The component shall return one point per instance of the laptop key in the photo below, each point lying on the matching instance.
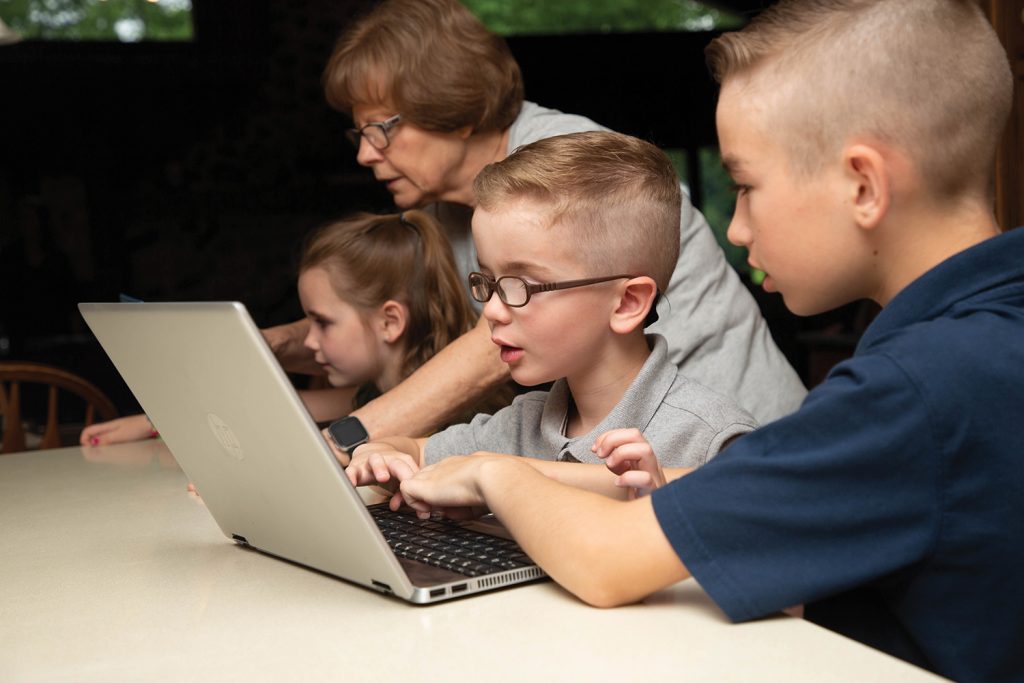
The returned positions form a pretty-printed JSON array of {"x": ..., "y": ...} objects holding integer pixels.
[{"x": 444, "y": 543}]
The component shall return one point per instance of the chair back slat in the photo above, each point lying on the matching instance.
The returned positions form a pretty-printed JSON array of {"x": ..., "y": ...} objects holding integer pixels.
[
  {"x": 51, "y": 437},
  {"x": 14, "y": 432},
  {"x": 13, "y": 374}
]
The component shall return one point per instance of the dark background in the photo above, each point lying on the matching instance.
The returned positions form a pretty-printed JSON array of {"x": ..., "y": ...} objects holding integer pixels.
[{"x": 192, "y": 171}]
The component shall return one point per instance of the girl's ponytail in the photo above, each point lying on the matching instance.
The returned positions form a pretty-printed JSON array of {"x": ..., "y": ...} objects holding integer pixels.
[{"x": 437, "y": 296}]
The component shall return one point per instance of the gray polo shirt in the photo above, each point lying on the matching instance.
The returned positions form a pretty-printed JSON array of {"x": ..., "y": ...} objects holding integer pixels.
[{"x": 685, "y": 422}]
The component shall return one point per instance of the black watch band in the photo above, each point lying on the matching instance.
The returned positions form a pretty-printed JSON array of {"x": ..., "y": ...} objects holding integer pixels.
[{"x": 348, "y": 433}]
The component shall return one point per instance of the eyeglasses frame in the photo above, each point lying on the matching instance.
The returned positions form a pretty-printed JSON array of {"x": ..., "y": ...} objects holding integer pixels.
[
  {"x": 531, "y": 288},
  {"x": 354, "y": 135}
]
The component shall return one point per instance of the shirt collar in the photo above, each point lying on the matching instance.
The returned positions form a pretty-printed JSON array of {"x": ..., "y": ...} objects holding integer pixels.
[
  {"x": 636, "y": 408},
  {"x": 969, "y": 276}
]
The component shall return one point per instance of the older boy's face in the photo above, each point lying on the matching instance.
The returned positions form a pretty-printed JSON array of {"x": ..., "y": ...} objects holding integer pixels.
[
  {"x": 794, "y": 228},
  {"x": 557, "y": 334}
]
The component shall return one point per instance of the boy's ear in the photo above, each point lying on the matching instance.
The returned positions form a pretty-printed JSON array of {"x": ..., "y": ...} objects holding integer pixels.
[
  {"x": 392, "y": 319},
  {"x": 636, "y": 300},
  {"x": 869, "y": 171}
]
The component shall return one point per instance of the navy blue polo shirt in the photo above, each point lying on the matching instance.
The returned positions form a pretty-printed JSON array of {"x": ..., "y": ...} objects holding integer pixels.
[{"x": 892, "y": 502}]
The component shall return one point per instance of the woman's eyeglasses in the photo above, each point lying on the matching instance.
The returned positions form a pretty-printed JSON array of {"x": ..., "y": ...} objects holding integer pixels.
[
  {"x": 376, "y": 132},
  {"x": 516, "y": 292}
]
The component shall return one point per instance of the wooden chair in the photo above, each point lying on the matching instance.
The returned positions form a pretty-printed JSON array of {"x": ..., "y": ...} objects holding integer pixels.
[{"x": 13, "y": 374}]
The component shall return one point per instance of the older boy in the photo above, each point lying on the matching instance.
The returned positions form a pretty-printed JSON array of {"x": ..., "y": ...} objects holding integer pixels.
[
  {"x": 575, "y": 235},
  {"x": 861, "y": 135}
]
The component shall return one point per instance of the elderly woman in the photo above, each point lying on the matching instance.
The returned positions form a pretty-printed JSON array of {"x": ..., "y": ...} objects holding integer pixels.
[{"x": 435, "y": 97}]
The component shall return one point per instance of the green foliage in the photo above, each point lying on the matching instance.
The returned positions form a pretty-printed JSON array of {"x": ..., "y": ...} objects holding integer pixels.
[
  {"x": 510, "y": 17},
  {"x": 719, "y": 204},
  {"x": 125, "y": 20},
  {"x": 719, "y": 200}
]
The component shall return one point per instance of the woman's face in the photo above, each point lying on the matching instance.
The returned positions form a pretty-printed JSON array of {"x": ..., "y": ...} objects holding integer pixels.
[{"x": 418, "y": 167}]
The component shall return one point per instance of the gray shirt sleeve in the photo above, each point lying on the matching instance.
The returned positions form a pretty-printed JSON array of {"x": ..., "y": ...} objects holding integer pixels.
[{"x": 499, "y": 433}]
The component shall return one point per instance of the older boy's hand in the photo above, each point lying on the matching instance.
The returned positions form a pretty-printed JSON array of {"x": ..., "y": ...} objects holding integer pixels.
[
  {"x": 374, "y": 464},
  {"x": 628, "y": 454},
  {"x": 451, "y": 487}
]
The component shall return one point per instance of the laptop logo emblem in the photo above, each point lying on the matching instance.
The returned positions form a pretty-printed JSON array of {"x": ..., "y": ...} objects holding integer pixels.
[{"x": 224, "y": 435}]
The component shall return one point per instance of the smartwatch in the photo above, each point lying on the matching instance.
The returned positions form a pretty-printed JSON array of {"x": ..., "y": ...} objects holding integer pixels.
[{"x": 347, "y": 433}]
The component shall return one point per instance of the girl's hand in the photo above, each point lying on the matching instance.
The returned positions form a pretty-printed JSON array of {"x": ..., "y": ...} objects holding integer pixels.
[{"x": 121, "y": 430}]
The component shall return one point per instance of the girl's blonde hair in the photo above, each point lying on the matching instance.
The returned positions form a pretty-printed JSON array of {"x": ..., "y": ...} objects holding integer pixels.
[{"x": 405, "y": 257}]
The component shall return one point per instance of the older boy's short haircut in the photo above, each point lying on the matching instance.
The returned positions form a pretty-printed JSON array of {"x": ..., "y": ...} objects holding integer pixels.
[
  {"x": 926, "y": 76},
  {"x": 618, "y": 198},
  {"x": 431, "y": 60}
]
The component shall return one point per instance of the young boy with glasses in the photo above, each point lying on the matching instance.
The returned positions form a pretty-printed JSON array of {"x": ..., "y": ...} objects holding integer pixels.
[{"x": 576, "y": 235}]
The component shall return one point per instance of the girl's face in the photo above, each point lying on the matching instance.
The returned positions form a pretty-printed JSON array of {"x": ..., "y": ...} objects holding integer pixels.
[{"x": 343, "y": 342}]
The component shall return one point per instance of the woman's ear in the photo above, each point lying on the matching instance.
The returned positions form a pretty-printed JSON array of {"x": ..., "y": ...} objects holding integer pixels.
[
  {"x": 869, "y": 171},
  {"x": 634, "y": 303},
  {"x": 392, "y": 319}
]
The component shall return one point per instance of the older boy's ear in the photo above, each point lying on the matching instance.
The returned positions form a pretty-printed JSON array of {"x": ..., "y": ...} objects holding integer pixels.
[
  {"x": 636, "y": 300},
  {"x": 869, "y": 171},
  {"x": 392, "y": 319}
]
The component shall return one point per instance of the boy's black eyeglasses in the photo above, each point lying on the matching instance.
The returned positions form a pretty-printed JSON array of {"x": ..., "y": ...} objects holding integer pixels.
[
  {"x": 376, "y": 132},
  {"x": 516, "y": 292}
]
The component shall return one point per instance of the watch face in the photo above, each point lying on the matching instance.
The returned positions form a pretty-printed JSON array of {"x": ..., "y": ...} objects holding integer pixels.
[{"x": 348, "y": 432}]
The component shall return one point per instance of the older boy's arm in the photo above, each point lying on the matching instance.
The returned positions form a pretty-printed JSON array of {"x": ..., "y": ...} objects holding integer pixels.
[
  {"x": 594, "y": 478},
  {"x": 606, "y": 552},
  {"x": 454, "y": 379},
  {"x": 287, "y": 343}
]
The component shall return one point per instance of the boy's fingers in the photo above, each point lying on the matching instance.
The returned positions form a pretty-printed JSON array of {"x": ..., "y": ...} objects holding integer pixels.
[
  {"x": 615, "y": 438},
  {"x": 625, "y": 456},
  {"x": 637, "y": 479},
  {"x": 379, "y": 467},
  {"x": 401, "y": 469}
]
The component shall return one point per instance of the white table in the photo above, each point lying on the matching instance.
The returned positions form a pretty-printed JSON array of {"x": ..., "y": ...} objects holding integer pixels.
[{"x": 111, "y": 570}]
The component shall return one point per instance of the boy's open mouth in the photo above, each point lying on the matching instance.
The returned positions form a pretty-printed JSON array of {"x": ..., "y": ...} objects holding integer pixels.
[{"x": 510, "y": 354}]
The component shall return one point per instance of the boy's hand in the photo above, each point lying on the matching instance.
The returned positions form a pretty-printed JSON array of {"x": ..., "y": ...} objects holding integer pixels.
[
  {"x": 377, "y": 464},
  {"x": 451, "y": 487},
  {"x": 628, "y": 454}
]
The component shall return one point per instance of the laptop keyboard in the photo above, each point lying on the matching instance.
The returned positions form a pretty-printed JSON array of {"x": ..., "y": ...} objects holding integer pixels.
[{"x": 446, "y": 544}]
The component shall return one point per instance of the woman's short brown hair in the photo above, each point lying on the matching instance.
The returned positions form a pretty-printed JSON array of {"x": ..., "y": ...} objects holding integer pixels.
[{"x": 431, "y": 60}]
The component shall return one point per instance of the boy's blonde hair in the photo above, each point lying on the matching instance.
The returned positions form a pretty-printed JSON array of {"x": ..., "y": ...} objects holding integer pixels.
[
  {"x": 430, "y": 59},
  {"x": 617, "y": 197},
  {"x": 928, "y": 77}
]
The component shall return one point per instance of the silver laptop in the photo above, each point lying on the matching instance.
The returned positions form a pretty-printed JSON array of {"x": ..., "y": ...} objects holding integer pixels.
[{"x": 229, "y": 414}]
